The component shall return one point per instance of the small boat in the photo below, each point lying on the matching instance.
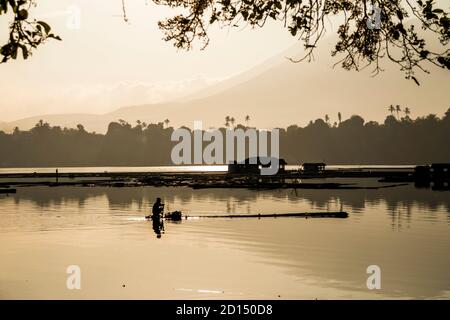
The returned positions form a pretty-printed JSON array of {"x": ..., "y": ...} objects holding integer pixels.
[{"x": 172, "y": 216}]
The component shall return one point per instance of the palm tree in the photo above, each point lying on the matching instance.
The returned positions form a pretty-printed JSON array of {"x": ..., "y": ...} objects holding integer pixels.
[
  {"x": 232, "y": 120},
  {"x": 227, "y": 121},
  {"x": 398, "y": 109},
  {"x": 339, "y": 117},
  {"x": 407, "y": 112},
  {"x": 247, "y": 119},
  {"x": 167, "y": 121},
  {"x": 80, "y": 127},
  {"x": 391, "y": 109}
]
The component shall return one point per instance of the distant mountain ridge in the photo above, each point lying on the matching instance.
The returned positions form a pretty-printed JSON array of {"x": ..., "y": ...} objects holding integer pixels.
[{"x": 278, "y": 93}]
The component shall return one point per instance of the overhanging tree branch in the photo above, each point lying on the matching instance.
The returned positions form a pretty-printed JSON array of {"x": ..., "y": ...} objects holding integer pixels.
[{"x": 360, "y": 44}]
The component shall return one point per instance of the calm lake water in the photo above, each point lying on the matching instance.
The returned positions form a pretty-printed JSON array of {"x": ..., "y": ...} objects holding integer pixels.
[{"x": 403, "y": 230}]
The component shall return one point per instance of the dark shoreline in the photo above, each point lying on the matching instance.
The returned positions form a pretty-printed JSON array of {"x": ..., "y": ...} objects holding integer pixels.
[{"x": 201, "y": 180}]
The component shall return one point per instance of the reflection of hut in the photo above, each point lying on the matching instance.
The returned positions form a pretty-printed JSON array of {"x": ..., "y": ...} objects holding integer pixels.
[
  {"x": 314, "y": 167},
  {"x": 254, "y": 165},
  {"x": 440, "y": 185}
]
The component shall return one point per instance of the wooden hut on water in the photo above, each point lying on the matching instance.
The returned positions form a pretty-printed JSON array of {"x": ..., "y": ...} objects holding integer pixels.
[
  {"x": 440, "y": 171},
  {"x": 313, "y": 167},
  {"x": 254, "y": 165},
  {"x": 436, "y": 176}
]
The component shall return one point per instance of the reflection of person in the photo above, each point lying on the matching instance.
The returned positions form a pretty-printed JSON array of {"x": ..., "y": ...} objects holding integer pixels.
[
  {"x": 157, "y": 217},
  {"x": 158, "y": 226},
  {"x": 158, "y": 208}
]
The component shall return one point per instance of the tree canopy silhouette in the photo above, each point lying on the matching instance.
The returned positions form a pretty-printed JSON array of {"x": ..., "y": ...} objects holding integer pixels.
[
  {"x": 369, "y": 30},
  {"x": 352, "y": 141},
  {"x": 24, "y": 34}
]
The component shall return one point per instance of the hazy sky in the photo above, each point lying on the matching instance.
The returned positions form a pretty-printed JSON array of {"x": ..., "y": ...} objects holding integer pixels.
[
  {"x": 104, "y": 64},
  {"x": 108, "y": 63}
]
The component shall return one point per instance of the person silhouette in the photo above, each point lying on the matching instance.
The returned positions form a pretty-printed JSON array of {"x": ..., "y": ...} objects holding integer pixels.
[
  {"x": 158, "y": 208},
  {"x": 157, "y": 217}
]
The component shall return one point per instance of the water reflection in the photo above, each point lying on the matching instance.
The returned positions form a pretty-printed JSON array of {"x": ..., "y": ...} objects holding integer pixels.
[
  {"x": 158, "y": 226},
  {"x": 399, "y": 201},
  {"x": 398, "y": 204},
  {"x": 404, "y": 230}
]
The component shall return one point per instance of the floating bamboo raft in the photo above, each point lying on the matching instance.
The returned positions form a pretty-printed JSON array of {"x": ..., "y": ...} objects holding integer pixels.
[
  {"x": 335, "y": 214},
  {"x": 328, "y": 214}
]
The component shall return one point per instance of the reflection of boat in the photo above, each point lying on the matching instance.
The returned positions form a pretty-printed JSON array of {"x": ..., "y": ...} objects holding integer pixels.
[{"x": 7, "y": 190}]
